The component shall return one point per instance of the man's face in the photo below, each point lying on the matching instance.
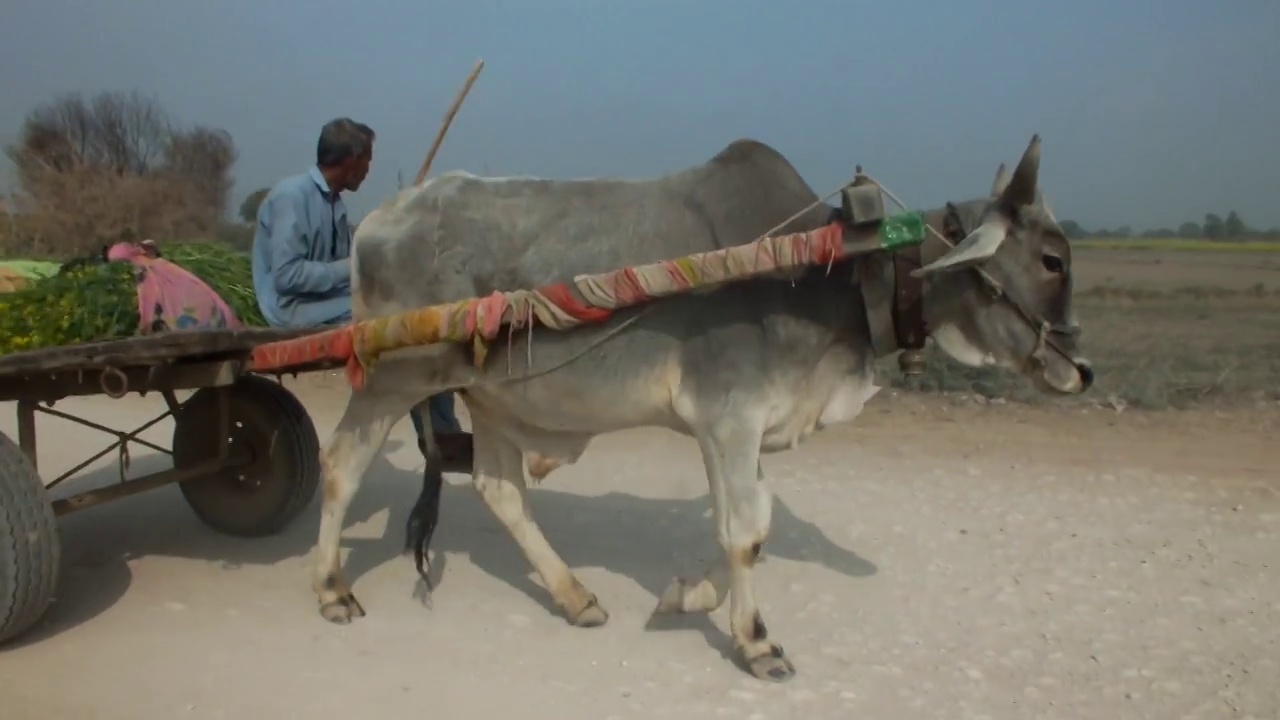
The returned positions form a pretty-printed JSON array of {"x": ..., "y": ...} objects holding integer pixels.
[{"x": 356, "y": 171}]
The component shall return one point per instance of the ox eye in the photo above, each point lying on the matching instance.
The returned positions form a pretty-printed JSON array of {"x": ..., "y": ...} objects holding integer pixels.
[{"x": 1053, "y": 264}]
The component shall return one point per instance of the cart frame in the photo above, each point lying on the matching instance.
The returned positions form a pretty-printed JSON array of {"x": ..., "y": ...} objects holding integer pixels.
[{"x": 245, "y": 452}]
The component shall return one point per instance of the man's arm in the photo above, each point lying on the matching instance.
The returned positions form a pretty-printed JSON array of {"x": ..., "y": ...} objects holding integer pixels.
[{"x": 292, "y": 273}]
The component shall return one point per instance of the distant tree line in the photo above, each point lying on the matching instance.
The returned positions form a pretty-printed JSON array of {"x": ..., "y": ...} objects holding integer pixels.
[
  {"x": 1214, "y": 227},
  {"x": 95, "y": 170},
  {"x": 115, "y": 166}
]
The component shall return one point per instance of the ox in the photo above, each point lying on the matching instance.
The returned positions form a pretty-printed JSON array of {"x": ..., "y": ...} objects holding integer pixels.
[{"x": 746, "y": 368}]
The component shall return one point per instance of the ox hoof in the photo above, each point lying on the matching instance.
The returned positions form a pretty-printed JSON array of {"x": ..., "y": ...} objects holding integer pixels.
[
  {"x": 342, "y": 610},
  {"x": 686, "y": 595},
  {"x": 773, "y": 667},
  {"x": 673, "y": 598},
  {"x": 591, "y": 615}
]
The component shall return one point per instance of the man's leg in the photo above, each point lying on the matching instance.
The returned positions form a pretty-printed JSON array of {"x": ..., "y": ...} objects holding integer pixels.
[
  {"x": 443, "y": 420},
  {"x": 454, "y": 444},
  {"x": 419, "y": 427}
]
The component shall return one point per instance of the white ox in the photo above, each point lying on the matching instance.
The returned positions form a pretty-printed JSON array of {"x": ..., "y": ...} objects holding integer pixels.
[{"x": 750, "y": 367}]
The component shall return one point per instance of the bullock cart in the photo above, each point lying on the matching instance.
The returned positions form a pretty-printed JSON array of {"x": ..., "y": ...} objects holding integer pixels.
[{"x": 245, "y": 452}]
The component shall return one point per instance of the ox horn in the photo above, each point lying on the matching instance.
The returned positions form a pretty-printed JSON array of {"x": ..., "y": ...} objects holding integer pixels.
[
  {"x": 1001, "y": 181},
  {"x": 980, "y": 245},
  {"x": 1021, "y": 188}
]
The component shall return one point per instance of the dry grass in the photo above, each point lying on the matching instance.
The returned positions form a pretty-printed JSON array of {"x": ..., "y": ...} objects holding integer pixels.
[
  {"x": 1209, "y": 333},
  {"x": 77, "y": 212},
  {"x": 1181, "y": 245}
]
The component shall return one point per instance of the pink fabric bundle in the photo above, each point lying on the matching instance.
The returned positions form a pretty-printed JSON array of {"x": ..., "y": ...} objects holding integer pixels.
[{"x": 170, "y": 297}]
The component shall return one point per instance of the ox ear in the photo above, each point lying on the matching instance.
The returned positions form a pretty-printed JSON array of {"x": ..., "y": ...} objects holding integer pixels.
[
  {"x": 1001, "y": 182},
  {"x": 980, "y": 245},
  {"x": 1021, "y": 188}
]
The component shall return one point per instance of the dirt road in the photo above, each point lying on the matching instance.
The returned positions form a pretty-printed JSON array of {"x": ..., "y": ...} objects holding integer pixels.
[{"x": 928, "y": 561}]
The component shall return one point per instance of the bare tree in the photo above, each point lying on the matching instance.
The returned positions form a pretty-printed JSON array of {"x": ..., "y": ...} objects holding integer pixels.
[
  {"x": 115, "y": 167},
  {"x": 123, "y": 132},
  {"x": 253, "y": 201}
]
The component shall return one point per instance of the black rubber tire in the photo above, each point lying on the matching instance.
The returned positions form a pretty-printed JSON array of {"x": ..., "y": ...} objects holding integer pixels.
[
  {"x": 263, "y": 498},
  {"x": 30, "y": 549}
]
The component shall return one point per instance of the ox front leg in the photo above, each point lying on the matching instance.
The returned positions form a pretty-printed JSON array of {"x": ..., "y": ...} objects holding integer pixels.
[
  {"x": 744, "y": 508},
  {"x": 499, "y": 478},
  {"x": 701, "y": 594},
  {"x": 358, "y": 438}
]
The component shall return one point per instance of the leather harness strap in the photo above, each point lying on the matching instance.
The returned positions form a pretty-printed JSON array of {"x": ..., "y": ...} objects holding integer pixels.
[
  {"x": 886, "y": 281},
  {"x": 909, "y": 326}
]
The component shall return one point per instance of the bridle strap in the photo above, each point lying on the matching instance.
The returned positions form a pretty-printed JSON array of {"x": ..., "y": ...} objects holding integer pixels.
[{"x": 954, "y": 231}]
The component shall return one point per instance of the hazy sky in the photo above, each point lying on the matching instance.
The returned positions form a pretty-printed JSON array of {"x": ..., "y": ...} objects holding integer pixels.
[{"x": 1152, "y": 111}]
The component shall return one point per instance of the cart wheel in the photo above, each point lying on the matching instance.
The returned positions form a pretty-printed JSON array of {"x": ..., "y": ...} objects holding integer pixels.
[
  {"x": 274, "y": 431},
  {"x": 30, "y": 551}
]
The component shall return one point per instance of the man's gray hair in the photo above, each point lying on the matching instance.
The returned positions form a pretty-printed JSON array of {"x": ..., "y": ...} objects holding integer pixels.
[{"x": 342, "y": 138}]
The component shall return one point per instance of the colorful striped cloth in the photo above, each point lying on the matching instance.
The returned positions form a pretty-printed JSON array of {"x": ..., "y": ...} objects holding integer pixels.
[{"x": 588, "y": 299}]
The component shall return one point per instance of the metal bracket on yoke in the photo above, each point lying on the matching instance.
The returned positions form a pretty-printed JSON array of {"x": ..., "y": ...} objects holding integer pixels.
[{"x": 861, "y": 201}]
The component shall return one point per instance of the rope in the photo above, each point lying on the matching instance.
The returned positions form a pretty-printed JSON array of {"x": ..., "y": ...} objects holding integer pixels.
[
  {"x": 558, "y": 306},
  {"x": 587, "y": 299},
  {"x": 997, "y": 290},
  {"x": 798, "y": 213},
  {"x": 903, "y": 206}
]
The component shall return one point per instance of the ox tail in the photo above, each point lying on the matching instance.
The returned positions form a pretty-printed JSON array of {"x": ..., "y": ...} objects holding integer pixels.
[{"x": 423, "y": 519}]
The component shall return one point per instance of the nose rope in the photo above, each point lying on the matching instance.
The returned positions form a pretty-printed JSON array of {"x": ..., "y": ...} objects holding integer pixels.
[
  {"x": 1042, "y": 338},
  {"x": 1045, "y": 330}
]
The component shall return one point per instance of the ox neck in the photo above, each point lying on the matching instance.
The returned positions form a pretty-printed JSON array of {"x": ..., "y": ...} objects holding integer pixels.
[{"x": 895, "y": 301}]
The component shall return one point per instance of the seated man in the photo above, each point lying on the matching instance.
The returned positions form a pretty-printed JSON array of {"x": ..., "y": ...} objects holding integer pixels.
[{"x": 302, "y": 258}]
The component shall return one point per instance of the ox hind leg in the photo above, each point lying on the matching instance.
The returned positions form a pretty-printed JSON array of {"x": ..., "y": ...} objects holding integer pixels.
[
  {"x": 743, "y": 512},
  {"x": 359, "y": 436},
  {"x": 499, "y": 477}
]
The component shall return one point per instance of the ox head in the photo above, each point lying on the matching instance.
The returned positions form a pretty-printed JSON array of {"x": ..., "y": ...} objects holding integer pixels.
[{"x": 1002, "y": 296}]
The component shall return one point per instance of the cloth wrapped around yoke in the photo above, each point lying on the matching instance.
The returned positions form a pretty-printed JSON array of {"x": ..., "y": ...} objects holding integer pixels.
[{"x": 588, "y": 299}]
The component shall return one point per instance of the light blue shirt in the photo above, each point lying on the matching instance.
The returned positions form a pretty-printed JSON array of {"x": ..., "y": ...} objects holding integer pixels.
[{"x": 302, "y": 254}]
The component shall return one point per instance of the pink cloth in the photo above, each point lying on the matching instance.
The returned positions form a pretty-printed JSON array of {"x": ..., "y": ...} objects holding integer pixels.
[{"x": 170, "y": 297}]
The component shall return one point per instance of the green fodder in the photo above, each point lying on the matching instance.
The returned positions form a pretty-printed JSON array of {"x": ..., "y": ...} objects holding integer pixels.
[
  {"x": 90, "y": 302},
  {"x": 98, "y": 301},
  {"x": 229, "y": 272}
]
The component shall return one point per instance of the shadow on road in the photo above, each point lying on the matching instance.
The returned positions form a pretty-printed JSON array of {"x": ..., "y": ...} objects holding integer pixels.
[{"x": 646, "y": 539}]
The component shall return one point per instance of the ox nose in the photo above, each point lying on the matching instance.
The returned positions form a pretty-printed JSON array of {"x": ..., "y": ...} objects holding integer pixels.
[{"x": 1086, "y": 373}]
